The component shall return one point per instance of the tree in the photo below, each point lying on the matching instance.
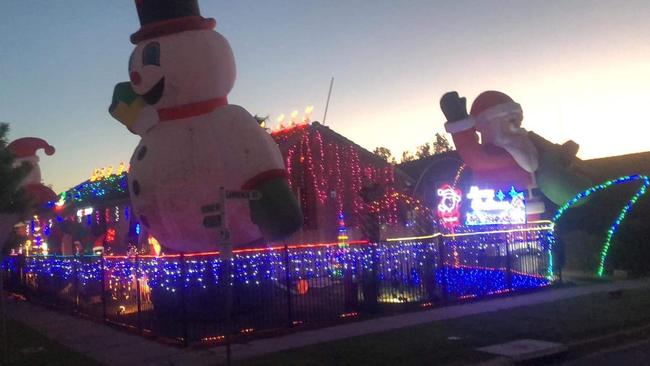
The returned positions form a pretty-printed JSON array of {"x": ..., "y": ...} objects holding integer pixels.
[
  {"x": 407, "y": 156},
  {"x": 13, "y": 200},
  {"x": 423, "y": 151},
  {"x": 385, "y": 154},
  {"x": 13, "y": 205},
  {"x": 441, "y": 144}
]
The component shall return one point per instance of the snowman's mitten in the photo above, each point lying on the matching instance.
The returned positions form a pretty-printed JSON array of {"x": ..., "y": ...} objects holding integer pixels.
[{"x": 277, "y": 213}]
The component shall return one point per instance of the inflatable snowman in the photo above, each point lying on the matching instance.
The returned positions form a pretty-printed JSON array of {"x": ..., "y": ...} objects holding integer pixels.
[{"x": 193, "y": 141}]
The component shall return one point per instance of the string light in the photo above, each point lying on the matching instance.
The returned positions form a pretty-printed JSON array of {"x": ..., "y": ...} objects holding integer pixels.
[
  {"x": 112, "y": 187},
  {"x": 459, "y": 174},
  {"x": 401, "y": 267},
  {"x": 343, "y": 232},
  {"x": 313, "y": 161},
  {"x": 645, "y": 182}
]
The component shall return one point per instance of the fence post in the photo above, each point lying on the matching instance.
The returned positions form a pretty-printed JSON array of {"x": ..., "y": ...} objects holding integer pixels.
[
  {"x": 102, "y": 270},
  {"x": 3, "y": 321},
  {"x": 287, "y": 279},
  {"x": 429, "y": 271},
  {"x": 137, "y": 291},
  {"x": 508, "y": 263},
  {"x": 441, "y": 264},
  {"x": 75, "y": 267},
  {"x": 23, "y": 284},
  {"x": 183, "y": 305}
]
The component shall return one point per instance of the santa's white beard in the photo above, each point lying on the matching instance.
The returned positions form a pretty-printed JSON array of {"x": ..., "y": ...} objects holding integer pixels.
[{"x": 515, "y": 141}]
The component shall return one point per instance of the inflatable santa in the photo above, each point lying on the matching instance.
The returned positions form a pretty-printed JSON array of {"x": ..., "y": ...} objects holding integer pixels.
[
  {"x": 193, "y": 141},
  {"x": 24, "y": 151},
  {"x": 508, "y": 155}
]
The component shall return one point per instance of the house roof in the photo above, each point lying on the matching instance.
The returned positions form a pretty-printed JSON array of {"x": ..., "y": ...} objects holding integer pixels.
[
  {"x": 287, "y": 138},
  {"x": 615, "y": 166}
]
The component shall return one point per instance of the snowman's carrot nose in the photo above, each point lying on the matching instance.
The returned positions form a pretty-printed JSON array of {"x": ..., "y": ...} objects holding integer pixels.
[{"x": 135, "y": 78}]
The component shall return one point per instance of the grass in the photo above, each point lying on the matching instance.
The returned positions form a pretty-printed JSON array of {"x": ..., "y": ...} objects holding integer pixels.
[
  {"x": 27, "y": 347},
  {"x": 563, "y": 321}
]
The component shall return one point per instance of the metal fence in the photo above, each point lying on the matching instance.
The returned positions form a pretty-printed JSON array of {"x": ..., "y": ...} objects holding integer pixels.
[{"x": 203, "y": 297}]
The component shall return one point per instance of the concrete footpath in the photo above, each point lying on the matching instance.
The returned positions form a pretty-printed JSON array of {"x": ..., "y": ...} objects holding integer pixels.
[{"x": 113, "y": 347}]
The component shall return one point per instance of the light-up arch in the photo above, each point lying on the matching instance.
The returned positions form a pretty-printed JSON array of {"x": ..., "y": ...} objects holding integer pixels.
[{"x": 612, "y": 230}]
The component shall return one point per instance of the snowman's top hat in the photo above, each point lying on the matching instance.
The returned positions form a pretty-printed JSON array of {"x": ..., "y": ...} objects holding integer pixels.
[{"x": 163, "y": 17}]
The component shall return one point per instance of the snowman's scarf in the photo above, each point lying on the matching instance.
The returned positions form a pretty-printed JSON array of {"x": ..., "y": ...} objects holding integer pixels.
[{"x": 191, "y": 110}]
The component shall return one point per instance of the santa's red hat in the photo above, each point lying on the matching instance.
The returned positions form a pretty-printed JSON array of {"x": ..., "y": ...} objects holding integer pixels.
[
  {"x": 28, "y": 146},
  {"x": 493, "y": 105},
  {"x": 490, "y": 106},
  {"x": 163, "y": 17},
  {"x": 488, "y": 99}
]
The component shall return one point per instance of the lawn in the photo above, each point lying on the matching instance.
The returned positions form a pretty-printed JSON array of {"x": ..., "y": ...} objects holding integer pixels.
[
  {"x": 452, "y": 342},
  {"x": 27, "y": 347}
]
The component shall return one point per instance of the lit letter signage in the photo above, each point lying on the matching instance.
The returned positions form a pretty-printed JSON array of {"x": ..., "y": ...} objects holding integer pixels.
[{"x": 490, "y": 208}]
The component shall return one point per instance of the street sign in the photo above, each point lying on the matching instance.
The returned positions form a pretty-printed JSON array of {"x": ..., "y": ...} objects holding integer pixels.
[
  {"x": 210, "y": 208},
  {"x": 243, "y": 195},
  {"x": 212, "y": 221}
]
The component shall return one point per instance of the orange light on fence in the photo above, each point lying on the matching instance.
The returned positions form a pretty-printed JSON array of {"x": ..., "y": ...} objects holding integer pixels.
[{"x": 302, "y": 286}]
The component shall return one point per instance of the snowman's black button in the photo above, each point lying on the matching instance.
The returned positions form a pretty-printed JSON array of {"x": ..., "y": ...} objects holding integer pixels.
[
  {"x": 136, "y": 187},
  {"x": 142, "y": 152}
]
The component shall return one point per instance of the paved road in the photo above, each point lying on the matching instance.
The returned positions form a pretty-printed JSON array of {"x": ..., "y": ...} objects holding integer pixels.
[
  {"x": 113, "y": 347},
  {"x": 632, "y": 354}
]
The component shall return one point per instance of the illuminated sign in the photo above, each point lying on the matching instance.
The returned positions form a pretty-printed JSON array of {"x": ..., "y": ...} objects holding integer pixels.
[
  {"x": 449, "y": 206},
  {"x": 490, "y": 208}
]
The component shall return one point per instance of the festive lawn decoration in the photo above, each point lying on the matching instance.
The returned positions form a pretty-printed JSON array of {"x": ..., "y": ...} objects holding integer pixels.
[
  {"x": 507, "y": 153},
  {"x": 449, "y": 206},
  {"x": 490, "y": 208},
  {"x": 24, "y": 151},
  {"x": 645, "y": 182},
  {"x": 343, "y": 231},
  {"x": 193, "y": 141}
]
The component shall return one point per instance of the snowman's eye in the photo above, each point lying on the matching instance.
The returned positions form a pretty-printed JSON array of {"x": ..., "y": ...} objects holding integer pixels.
[{"x": 151, "y": 54}]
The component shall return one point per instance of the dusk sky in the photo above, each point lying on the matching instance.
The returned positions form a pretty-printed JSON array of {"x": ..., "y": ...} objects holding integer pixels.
[{"x": 580, "y": 69}]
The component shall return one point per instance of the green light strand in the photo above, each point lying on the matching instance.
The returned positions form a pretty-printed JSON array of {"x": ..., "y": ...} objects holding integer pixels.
[{"x": 612, "y": 230}]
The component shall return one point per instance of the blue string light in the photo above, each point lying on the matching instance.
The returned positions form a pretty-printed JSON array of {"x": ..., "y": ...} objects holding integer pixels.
[{"x": 470, "y": 266}]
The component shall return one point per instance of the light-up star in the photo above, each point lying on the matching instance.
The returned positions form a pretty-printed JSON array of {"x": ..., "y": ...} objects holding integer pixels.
[
  {"x": 514, "y": 194},
  {"x": 501, "y": 195}
]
